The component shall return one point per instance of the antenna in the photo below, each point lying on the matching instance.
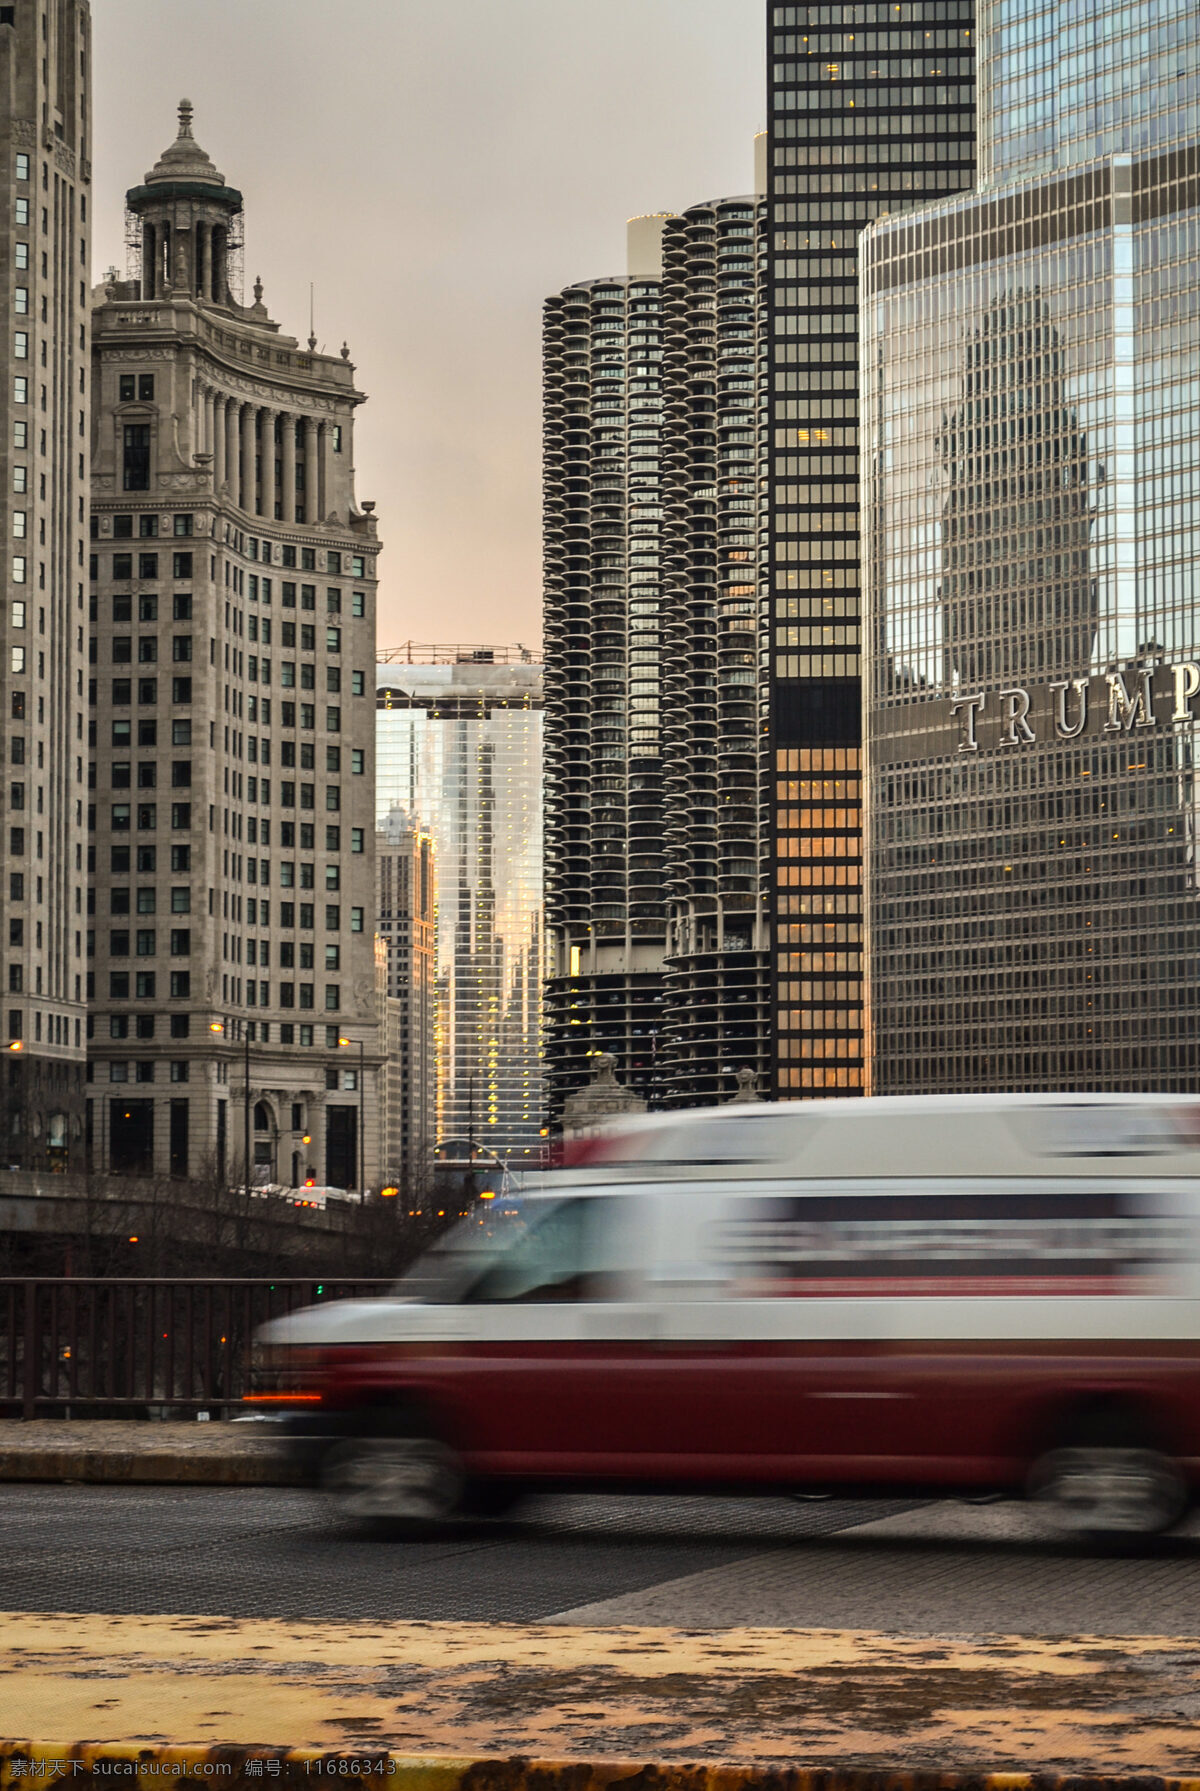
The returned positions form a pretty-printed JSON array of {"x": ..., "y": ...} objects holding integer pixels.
[{"x": 312, "y": 328}]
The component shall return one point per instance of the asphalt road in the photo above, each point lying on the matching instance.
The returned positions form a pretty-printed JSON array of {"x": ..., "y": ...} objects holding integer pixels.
[{"x": 689, "y": 1563}]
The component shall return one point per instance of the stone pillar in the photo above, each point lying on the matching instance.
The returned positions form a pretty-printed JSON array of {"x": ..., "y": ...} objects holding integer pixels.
[
  {"x": 218, "y": 440},
  {"x": 289, "y": 467},
  {"x": 328, "y": 471},
  {"x": 249, "y": 494},
  {"x": 312, "y": 473},
  {"x": 201, "y": 273},
  {"x": 208, "y": 426},
  {"x": 268, "y": 464},
  {"x": 232, "y": 476}
]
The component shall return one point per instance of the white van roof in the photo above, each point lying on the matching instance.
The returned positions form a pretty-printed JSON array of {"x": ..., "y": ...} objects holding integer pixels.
[{"x": 970, "y": 1134}]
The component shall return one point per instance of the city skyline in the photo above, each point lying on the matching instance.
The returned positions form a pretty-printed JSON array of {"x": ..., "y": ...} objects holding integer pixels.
[{"x": 444, "y": 237}]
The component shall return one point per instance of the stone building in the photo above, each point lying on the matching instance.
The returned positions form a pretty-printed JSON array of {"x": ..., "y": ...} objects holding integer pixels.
[
  {"x": 45, "y": 249},
  {"x": 232, "y": 889},
  {"x": 406, "y": 915}
]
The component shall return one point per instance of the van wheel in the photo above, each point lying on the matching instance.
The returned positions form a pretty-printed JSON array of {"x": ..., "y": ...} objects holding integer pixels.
[
  {"x": 411, "y": 1482},
  {"x": 1101, "y": 1492}
]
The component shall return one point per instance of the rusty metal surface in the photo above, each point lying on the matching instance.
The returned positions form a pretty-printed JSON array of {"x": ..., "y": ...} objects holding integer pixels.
[{"x": 854, "y": 1703}]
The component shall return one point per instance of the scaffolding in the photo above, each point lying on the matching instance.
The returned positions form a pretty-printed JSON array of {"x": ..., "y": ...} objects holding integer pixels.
[{"x": 421, "y": 653}]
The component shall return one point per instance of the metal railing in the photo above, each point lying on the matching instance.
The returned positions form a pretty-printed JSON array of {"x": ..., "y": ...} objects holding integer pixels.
[{"x": 135, "y": 1347}]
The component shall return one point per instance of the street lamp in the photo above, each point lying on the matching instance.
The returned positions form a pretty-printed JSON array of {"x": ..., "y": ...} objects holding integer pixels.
[{"x": 362, "y": 1123}]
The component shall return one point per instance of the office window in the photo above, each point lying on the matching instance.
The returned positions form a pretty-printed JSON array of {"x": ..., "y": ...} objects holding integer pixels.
[
  {"x": 126, "y": 388},
  {"x": 181, "y": 985},
  {"x": 181, "y": 942},
  {"x": 356, "y": 839},
  {"x": 181, "y": 816},
  {"x": 146, "y": 387},
  {"x": 146, "y": 900},
  {"x": 145, "y": 983},
  {"x": 182, "y": 606},
  {"x": 181, "y": 565},
  {"x": 181, "y": 690},
  {"x": 136, "y": 468},
  {"x": 148, "y": 526},
  {"x": 179, "y": 1067},
  {"x": 179, "y": 1026},
  {"x": 146, "y": 942},
  {"x": 183, "y": 525}
]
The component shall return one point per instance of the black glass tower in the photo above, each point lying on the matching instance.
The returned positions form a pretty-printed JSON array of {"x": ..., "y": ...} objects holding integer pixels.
[{"x": 871, "y": 110}]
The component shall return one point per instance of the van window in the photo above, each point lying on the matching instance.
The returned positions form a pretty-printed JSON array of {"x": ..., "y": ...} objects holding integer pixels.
[{"x": 570, "y": 1254}]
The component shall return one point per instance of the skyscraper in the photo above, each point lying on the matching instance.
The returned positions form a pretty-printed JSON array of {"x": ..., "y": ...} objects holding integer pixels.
[
  {"x": 653, "y": 530},
  {"x": 45, "y": 249},
  {"x": 871, "y": 111},
  {"x": 460, "y": 752},
  {"x": 232, "y": 640},
  {"x": 606, "y": 905},
  {"x": 406, "y": 916},
  {"x": 1032, "y": 452}
]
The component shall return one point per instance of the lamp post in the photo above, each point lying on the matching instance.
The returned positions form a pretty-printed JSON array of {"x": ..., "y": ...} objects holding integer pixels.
[{"x": 362, "y": 1123}]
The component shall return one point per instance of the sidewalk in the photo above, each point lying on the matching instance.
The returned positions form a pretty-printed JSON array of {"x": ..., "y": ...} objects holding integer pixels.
[{"x": 112, "y": 1451}]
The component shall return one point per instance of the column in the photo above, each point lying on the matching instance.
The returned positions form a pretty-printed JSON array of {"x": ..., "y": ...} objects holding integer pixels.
[
  {"x": 268, "y": 464},
  {"x": 328, "y": 470},
  {"x": 208, "y": 425},
  {"x": 200, "y": 237},
  {"x": 289, "y": 467},
  {"x": 231, "y": 449},
  {"x": 312, "y": 476},
  {"x": 217, "y": 442},
  {"x": 249, "y": 495}
]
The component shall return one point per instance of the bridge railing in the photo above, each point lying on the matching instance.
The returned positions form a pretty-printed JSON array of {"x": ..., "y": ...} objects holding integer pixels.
[{"x": 84, "y": 1347}]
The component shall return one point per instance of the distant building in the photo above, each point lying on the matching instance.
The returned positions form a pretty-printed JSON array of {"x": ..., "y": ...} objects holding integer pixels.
[
  {"x": 406, "y": 920},
  {"x": 232, "y": 861},
  {"x": 46, "y": 213},
  {"x": 459, "y": 741}
]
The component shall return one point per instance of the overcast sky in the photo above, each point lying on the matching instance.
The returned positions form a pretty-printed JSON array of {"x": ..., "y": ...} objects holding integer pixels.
[{"x": 436, "y": 168}]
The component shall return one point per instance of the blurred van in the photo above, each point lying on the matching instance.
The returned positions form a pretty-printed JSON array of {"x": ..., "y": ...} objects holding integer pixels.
[{"x": 948, "y": 1295}]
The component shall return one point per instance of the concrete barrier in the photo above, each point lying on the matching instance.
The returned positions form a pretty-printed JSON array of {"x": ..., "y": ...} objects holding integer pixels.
[
  {"x": 29, "y": 1764},
  {"x": 122, "y": 1452}
]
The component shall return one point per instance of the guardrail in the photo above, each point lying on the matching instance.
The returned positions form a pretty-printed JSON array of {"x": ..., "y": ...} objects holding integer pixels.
[{"x": 84, "y": 1347}]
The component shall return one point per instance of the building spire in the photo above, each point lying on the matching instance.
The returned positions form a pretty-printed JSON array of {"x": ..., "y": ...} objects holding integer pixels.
[{"x": 185, "y": 118}]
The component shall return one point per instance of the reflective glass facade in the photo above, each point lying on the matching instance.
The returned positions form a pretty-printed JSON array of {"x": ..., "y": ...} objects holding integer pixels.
[
  {"x": 1031, "y": 395},
  {"x": 871, "y": 111},
  {"x": 1067, "y": 81},
  {"x": 459, "y": 749}
]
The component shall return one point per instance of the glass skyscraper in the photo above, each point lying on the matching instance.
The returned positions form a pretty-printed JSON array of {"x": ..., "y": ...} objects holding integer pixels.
[
  {"x": 871, "y": 111},
  {"x": 1031, "y": 459},
  {"x": 459, "y": 749}
]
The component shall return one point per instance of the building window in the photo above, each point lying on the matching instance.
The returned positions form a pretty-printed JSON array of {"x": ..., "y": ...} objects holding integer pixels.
[
  {"x": 181, "y": 942},
  {"x": 148, "y": 526},
  {"x": 147, "y": 945},
  {"x": 147, "y": 565},
  {"x": 136, "y": 472},
  {"x": 182, "y": 606},
  {"x": 356, "y": 839},
  {"x": 21, "y": 345},
  {"x": 126, "y": 388},
  {"x": 356, "y": 920},
  {"x": 146, "y": 387},
  {"x": 333, "y": 996},
  {"x": 179, "y": 1026},
  {"x": 122, "y": 566},
  {"x": 358, "y": 683},
  {"x": 145, "y": 984},
  {"x": 18, "y": 571},
  {"x": 181, "y": 985},
  {"x": 179, "y": 1070},
  {"x": 181, "y": 648},
  {"x": 181, "y": 816}
]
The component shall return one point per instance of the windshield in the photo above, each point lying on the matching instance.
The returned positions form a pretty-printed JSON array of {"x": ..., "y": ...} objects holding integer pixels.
[
  {"x": 535, "y": 1251},
  {"x": 468, "y": 1250}
]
